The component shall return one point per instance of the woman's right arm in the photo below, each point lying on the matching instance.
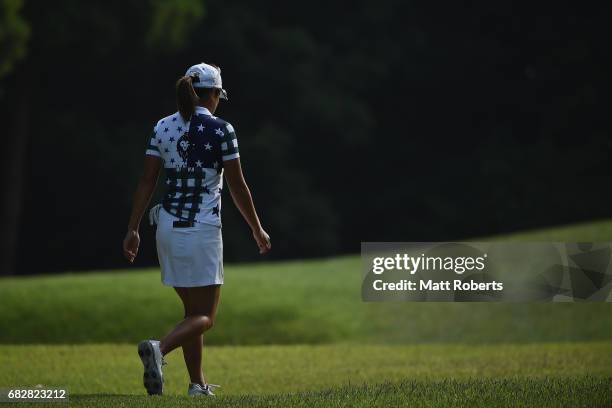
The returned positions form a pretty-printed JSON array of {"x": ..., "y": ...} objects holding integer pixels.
[
  {"x": 141, "y": 198},
  {"x": 242, "y": 198}
]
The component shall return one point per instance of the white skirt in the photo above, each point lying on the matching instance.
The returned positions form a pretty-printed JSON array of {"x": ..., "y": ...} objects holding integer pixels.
[{"x": 191, "y": 256}]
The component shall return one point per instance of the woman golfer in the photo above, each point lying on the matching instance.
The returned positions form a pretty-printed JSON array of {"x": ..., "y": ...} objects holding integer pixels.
[{"x": 196, "y": 150}]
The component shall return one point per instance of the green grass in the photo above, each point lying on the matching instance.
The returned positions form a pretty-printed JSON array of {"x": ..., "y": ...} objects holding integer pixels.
[
  {"x": 314, "y": 302},
  {"x": 297, "y": 334},
  {"x": 264, "y": 373},
  {"x": 275, "y": 303},
  {"x": 594, "y": 231},
  {"x": 572, "y": 392}
]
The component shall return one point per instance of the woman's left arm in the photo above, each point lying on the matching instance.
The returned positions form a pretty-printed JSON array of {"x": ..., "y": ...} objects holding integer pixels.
[{"x": 141, "y": 198}]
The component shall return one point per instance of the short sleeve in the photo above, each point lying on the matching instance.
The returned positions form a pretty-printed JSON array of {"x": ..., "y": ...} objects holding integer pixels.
[
  {"x": 153, "y": 147},
  {"x": 229, "y": 144}
]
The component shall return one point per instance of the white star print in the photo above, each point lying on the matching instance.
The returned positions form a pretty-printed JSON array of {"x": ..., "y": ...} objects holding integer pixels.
[
  {"x": 208, "y": 146},
  {"x": 219, "y": 132},
  {"x": 200, "y": 128},
  {"x": 199, "y": 163}
]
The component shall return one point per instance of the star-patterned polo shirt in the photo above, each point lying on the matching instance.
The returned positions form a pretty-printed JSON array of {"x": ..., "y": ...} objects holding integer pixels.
[{"x": 193, "y": 153}]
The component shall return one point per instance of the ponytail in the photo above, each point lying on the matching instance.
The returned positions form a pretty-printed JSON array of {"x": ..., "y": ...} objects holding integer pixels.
[{"x": 186, "y": 97}]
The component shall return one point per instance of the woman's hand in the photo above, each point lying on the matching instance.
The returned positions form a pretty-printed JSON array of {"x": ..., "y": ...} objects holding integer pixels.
[
  {"x": 142, "y": 196},
  {"x": 131, "y": 242},
  {"x": 242, "y": 198},
  {"x": 263, "y": 240}
]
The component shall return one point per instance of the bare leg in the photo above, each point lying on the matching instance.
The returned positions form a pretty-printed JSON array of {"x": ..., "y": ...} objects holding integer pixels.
[
  {"x": 192, "y": 353},
  {"x": 190, "y": 327},
  {"x": 200, "y": 304},
  {"x": 192, "y": 347}
]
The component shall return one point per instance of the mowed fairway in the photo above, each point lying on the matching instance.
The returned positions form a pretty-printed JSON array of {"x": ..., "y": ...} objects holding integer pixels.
[
  {"x": 266, "y": 374},
  {"x": 297, "y": 334}
]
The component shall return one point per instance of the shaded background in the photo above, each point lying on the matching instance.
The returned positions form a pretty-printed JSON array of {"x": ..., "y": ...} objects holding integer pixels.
[{"x": 360, "y": 121}]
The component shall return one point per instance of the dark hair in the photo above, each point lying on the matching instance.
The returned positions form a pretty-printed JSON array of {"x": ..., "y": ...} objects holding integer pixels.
[{"x": 187, "y": 97}]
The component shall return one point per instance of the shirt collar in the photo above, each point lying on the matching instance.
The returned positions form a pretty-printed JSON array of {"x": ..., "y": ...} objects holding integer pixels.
[{"x": 201, "y": 109}]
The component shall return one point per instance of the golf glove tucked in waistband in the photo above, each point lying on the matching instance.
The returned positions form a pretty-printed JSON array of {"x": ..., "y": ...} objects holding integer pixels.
[{"x": 154, "y": 214}]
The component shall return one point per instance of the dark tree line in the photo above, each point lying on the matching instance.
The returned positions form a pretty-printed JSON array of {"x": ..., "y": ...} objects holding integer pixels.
[{"x": 362, "y": 121}]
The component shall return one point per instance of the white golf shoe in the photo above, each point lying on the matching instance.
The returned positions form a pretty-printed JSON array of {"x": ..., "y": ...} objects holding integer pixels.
[
  {"x": 197, "y": 389},
  {"x": 152, "y": 360}
]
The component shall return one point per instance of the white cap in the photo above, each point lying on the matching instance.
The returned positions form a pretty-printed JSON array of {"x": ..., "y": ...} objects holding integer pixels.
[{"x": 206, "y": 76}]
